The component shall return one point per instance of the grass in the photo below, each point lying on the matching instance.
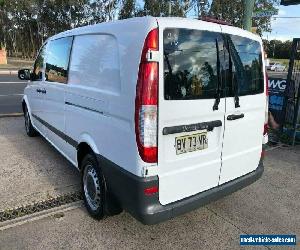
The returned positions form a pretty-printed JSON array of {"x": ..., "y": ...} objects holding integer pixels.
[{"x": 16, "y": 63}]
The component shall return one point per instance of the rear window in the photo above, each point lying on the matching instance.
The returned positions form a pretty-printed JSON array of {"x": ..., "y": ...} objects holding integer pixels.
[
  {"x": 190, "y": 64},
  {"x": 195, "y": 61},
  {"x": 247, "y": 71}
]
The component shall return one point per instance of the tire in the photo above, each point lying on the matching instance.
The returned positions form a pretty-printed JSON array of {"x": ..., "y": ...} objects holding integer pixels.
[
  {"x": 93, "y": 186},
  {"x": 30, "y": 131}
]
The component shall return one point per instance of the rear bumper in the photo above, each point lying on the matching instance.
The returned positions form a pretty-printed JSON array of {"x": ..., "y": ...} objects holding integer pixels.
[{"x": 128, "y": 189}]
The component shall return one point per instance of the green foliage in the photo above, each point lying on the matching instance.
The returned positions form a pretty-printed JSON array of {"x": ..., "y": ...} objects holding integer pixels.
[
  {"x": 232, "y": 12},
  {"x": 26, "y": 24},
  {"x": 160, "y": 8},
  {"x": 128, "y": 9},
  {"x": 278, "y": 49}
]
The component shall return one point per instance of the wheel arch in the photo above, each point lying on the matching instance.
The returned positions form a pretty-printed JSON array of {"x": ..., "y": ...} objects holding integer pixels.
[
  {"x": 85, "y": 145},
  {"x": 25, "y": 103}
]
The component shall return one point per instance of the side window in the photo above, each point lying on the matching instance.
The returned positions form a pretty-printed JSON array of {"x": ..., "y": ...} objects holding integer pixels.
[
  {"x": 191, "y": 63},
  {"x": 95, "y": 62},
  {"x": 245, "y": 65},
  {"x": 57, "y": 60},
  {"x": 39, "y": 65}
]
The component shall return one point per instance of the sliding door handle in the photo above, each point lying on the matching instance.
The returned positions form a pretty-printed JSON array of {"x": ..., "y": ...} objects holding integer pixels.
[{"x": 235, "y": 117}]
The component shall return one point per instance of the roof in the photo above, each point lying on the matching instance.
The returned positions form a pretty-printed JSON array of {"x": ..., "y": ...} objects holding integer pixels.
[{"x": 148, "y": 21}]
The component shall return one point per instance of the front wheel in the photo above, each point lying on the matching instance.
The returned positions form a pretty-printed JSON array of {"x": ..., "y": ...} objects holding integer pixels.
[
  {"x": 30, "y": 131},
  {"x": 93, "y": 187}
]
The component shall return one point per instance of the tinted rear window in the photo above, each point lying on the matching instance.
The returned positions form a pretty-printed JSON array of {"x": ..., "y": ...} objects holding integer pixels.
[
  {"x": 247, "y": 70},
  {"x": 190, "y": 64},
  {"x": 195, "y": 61}
]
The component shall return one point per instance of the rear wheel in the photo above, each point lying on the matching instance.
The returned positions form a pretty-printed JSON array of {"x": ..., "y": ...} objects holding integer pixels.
[
  {"x": 30, "y": 131},
  {"x": 93, "y": 186}
]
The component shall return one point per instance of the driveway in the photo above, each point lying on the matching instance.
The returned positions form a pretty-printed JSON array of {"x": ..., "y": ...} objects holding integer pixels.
[{"x": 30, "y": 168}]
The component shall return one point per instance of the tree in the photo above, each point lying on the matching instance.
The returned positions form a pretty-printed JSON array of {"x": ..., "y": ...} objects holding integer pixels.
[
  {"x": 201, "y": 7},
  {"x": 26, "y": 24},
  {"x": 128, "y": 9},
  {"x": 278, "y": 49},
  {"x": 232, "y": 12},
  {"x": 161, "y": 8}
]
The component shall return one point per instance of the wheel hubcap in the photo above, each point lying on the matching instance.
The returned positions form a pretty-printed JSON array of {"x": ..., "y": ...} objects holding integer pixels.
[{"x": 92, "y": 188}]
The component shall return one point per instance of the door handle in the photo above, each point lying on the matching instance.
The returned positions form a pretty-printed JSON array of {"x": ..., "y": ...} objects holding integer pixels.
[
  {"x": 235, "y": 117},
  {"x": 192, "y": 127}
]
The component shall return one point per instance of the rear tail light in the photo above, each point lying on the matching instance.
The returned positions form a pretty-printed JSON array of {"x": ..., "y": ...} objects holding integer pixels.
[
  {"x": 146, "y": 102},
  {"x": 151, "y": 190}
]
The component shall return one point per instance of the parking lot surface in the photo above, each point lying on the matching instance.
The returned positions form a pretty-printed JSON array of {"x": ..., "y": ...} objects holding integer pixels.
[{"x": 30, "y": 169}]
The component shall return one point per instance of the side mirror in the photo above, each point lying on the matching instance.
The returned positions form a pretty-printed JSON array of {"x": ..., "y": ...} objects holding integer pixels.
[{"x": 24, "y": 74}]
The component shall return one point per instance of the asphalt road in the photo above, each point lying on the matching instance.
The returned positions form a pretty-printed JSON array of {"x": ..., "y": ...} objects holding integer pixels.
[{"x": 11, "y": 93}]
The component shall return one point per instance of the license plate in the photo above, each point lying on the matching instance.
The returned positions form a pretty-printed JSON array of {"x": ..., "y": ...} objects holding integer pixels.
[{"x": 190, "y": 143}]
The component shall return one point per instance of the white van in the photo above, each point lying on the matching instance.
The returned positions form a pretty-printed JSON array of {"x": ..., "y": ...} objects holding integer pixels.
[{"x": 160, "y": 115}]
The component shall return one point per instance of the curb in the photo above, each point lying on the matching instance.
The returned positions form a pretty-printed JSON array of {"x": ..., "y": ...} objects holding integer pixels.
[
  {"x": 8, "y": 72},
  {"x": 11, "y": 115},
  {"x": 39, "y": 215}
]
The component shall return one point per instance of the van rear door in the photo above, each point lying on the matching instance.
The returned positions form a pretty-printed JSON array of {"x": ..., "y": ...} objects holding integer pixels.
[
  {"x": 245, "y": 105},
  {"x": 191, "y": 119}
]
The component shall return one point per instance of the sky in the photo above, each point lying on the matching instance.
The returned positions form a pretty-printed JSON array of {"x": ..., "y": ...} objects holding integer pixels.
[
  {"x": 285, "y": 28},
  {"x": 282, "y": 28}
]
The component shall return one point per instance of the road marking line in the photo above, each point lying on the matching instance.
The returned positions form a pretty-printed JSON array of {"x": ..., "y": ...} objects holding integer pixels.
[
  {"x": 11, "y": 115},
  {"x": 11, "y": 95},
  {"x": 12, "y": 82}
]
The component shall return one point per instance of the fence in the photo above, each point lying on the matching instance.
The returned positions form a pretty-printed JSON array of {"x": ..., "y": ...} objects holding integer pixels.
[{"x": 292, "y": 96}]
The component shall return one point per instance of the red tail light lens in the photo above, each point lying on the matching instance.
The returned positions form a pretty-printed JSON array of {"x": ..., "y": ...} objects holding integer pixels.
[
  {"x": 151, "y": 190},
  {"x": 151, "y": 43},
  {"x": 146, "y": 102}
]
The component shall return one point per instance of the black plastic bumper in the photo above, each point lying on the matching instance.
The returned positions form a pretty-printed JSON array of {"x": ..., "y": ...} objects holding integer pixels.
[{"x": 128, "y": 189}]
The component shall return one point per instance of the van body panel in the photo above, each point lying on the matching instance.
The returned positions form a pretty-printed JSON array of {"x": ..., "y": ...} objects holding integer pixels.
[{"x": 107, "y": 112}]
